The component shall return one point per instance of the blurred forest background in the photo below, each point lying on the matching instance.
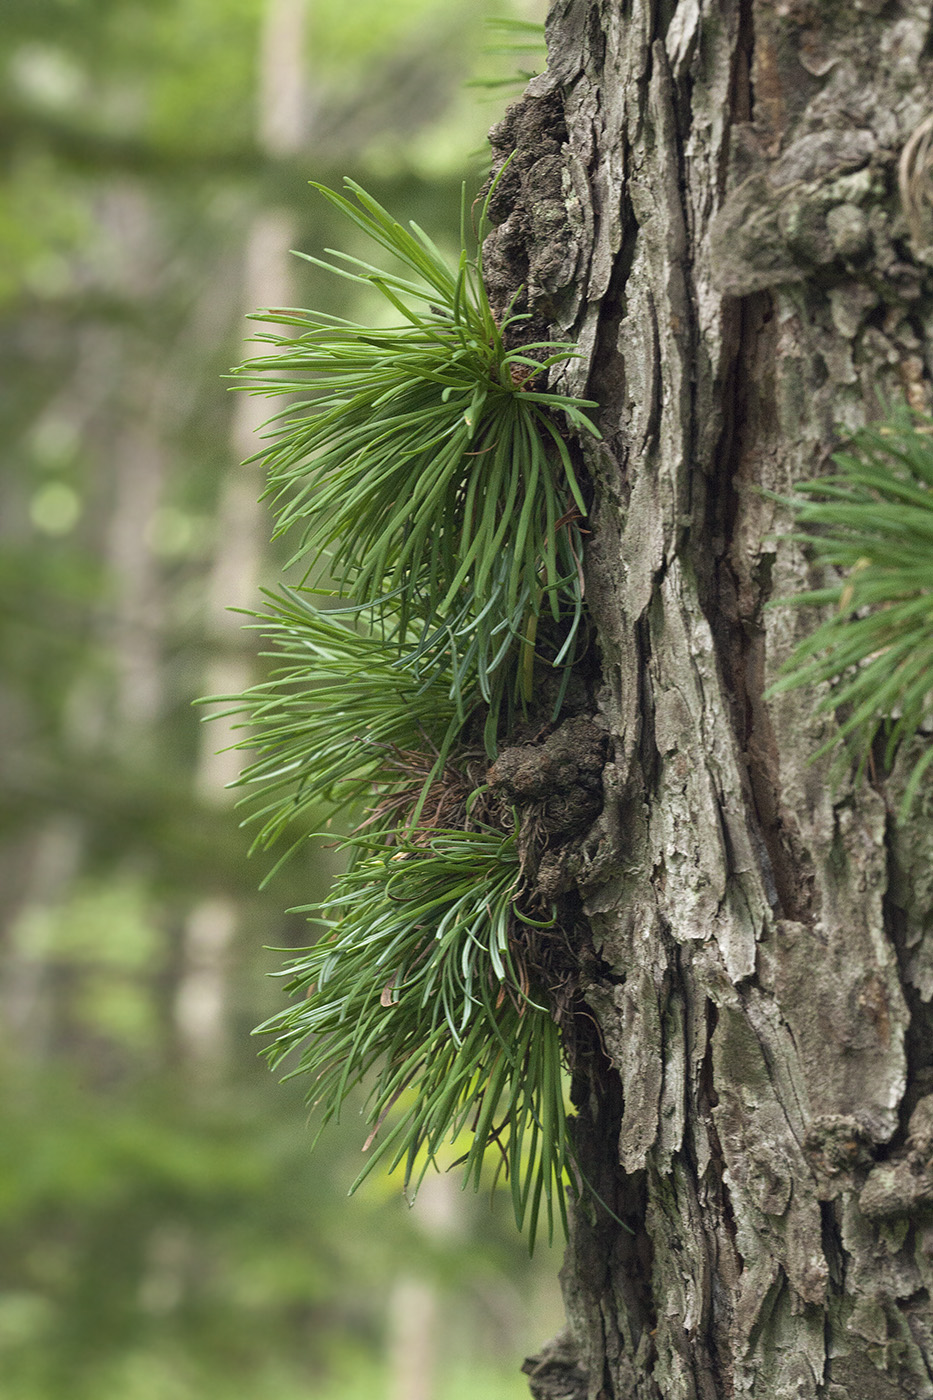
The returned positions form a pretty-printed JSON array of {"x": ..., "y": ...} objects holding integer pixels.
[{"x": 165, "y": 1231}]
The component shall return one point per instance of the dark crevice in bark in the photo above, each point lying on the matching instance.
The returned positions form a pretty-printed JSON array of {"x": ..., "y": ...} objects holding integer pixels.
[
  {"x": 706, "y": 1100},
  {"x": 918, "y": 1041},
  {"x": 609, "y": 1246},
  {"x": 832, "y": 1246},
  {"x": 649, "y": 757},
  {"x": 733, "y": 607},
  {"x": 666, "y": 10},
  {"x": 676, "y": 98},
  {"x": 732, "y": 604}
]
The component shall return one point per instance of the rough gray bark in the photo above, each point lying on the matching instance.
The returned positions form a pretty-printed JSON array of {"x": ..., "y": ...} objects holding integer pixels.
[{"x": 705, "y": 196}]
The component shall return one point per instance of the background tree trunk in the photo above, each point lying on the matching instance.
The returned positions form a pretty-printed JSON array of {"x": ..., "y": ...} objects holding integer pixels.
[
  {"x": 233, "y": 586},
  {"x": 705, "y": 197}
]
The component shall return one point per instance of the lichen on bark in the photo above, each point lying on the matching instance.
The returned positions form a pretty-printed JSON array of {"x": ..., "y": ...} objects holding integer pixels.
[{"x": 705, "y": 196}]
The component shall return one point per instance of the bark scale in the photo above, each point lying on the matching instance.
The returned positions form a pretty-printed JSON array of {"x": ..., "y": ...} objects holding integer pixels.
[{"x": 705, "y": 197}]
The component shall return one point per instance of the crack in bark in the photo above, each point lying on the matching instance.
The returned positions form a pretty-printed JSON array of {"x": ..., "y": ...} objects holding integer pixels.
[{"x": 919, "y": 1035}]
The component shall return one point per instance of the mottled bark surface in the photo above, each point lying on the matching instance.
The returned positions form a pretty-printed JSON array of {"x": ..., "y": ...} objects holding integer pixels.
[{"x": 705, "y": 197}]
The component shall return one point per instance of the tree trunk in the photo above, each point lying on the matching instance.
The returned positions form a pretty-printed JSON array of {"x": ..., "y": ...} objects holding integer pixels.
[
  {"x": 234, "y": 578},
  {"x": 705, "y": 197}
]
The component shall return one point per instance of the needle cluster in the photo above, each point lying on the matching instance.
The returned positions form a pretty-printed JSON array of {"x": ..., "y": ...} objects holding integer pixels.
[
  {"x": 421, "y": 467},
  {"x": 416, "y": 982},
  {"x": 871, "y": 523},
  {"x": 425, "y": 474}
]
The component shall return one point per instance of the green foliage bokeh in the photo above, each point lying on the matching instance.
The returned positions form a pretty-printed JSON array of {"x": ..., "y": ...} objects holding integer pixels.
[{"x": 162, "y": 1238}]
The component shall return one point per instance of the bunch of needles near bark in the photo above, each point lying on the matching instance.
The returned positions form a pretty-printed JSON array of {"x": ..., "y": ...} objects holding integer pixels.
[{"x": 872, "y": 520}]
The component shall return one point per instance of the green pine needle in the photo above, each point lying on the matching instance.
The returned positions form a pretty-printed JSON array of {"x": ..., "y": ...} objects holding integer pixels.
[
  {"x": 522, "y": 39},
  {"x": 333, "y": 723},
  {"x": 416, "y": 987},
  {"x": 873, "y": 520},
  {"x": 423, "y": 463}
]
